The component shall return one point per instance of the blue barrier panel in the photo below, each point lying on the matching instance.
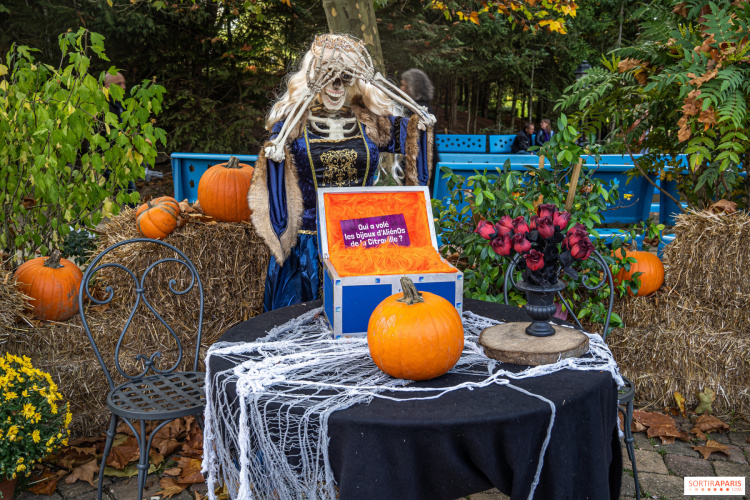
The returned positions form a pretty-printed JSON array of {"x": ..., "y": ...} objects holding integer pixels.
[
  {"x": 635, "y": 196},
  {"x": 501, "y": 143},
  {"x": 499, "y": 159},
  {"x": 453, "y": 143},
  {"x": 187, "y": 169}
]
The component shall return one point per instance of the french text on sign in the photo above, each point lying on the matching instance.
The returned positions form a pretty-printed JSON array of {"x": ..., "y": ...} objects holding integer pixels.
[
  {"x": 714, "y": 486},
  {"x": 374, "y": 231}
]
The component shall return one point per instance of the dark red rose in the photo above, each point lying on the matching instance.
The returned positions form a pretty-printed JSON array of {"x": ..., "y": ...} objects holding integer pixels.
[
  {"x": 575, "y": 234},
  {"x": 520, "y": 226},
  {"x": 532, "y": 221},
  {"x": 561, "y": 220},
  {"x": 582, "y": 249},
  {"x": 502, "y": 229},
  {"x": 534, "y": 260},
  {"x": 520, "y": 243},
  {"x": 506, "y": 222},
  {"x": 545, "y": 227},
  {"x": 546, "y": 210},
  {"x": 502, "y": 245},
  {"x": 485, "y": 230}
]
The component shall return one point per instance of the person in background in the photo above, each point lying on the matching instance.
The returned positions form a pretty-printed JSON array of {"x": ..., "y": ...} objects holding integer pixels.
[
  {"x": 523, "y": 141},
  {"x": 545, "y": 132},
  {"x": 418, "y": 86}
]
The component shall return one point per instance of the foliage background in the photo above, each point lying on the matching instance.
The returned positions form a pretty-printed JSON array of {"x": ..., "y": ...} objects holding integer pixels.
[{"x": 222, "y": 64}]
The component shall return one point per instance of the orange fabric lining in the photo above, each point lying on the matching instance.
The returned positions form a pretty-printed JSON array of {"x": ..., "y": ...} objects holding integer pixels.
[{"x": 419, "y": 257}]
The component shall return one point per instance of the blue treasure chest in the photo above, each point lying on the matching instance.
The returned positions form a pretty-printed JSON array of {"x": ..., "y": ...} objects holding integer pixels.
[{"x": 368, "y": 239}]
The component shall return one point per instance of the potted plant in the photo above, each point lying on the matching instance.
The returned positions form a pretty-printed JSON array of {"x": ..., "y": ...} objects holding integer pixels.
[
  {"x": 33, "y": 422},
  {"x": 542, "y": 246}
]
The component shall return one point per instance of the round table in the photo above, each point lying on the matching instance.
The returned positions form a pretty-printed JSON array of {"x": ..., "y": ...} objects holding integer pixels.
[{"x": 468, "y": 441}]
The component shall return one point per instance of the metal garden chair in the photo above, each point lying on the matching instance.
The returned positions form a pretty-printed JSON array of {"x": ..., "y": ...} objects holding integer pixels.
[
  {"x": 626, "y": 394},
  {"x": 166, "y": 394}
]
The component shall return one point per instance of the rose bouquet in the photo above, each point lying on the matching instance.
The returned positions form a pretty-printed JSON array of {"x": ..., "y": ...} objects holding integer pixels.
[
  {"x": 544, "y": 243},
  {"x": 33, "y": 422}
]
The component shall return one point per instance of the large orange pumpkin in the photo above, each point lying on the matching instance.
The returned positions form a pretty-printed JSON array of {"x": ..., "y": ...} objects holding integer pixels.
[
  {"x": 651, "y": 267},
  {"x": 53, "y": 285},
  {"x": 157, "y": 218},
  {"x": 415, "y": 336},
  {"x": 222, "y": 191}
]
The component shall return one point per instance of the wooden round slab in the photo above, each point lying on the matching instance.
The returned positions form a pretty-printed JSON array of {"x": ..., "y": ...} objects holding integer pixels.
[{"x": 510, "y": 343}]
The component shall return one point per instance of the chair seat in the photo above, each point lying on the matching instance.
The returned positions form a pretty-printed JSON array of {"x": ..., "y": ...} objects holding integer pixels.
[{"x": 160, "y": 396}]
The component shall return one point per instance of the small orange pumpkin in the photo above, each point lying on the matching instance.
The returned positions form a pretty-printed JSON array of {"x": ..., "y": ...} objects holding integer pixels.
[
  {"x": 651, "y": 267},
  {"x": 157, "y": 218},
  {"x": 415, "y": 336},
  {"x": 52, "y": 283},
  {"x": 222, "y": 191}
]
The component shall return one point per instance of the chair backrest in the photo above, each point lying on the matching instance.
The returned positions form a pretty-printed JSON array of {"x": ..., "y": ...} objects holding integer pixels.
[
  {"x": 140, "y": 291},
  {"x": 510, "y": 282}
]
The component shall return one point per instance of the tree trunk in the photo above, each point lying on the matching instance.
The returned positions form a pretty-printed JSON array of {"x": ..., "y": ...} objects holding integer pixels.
[
  {"x": 513, "y": 108},
  {"x": 622, "y": 19},
  {"x": 454, "y": 105},
  {"x": 499, "y": 107},
  {"x": 358, "y": 19},
  {"x": 468, "y": 107},
  {"x": 531, "y": 95},
  {"x": 476, "y": 111}
]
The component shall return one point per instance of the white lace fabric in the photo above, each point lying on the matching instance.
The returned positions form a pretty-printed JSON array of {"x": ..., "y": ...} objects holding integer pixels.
[{"x": 270, "y": 440}]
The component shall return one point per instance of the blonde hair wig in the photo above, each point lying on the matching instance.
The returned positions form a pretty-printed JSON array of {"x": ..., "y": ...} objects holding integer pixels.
[{"x": 296, "y": 88}]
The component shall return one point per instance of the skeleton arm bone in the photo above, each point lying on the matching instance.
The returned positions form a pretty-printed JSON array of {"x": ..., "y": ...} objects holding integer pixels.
[
  {"x": 402, "y": 98},
  {"x": 324, "y": 74}
]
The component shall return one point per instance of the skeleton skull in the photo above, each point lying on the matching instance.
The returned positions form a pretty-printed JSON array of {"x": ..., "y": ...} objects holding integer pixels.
[{"x": 333, "y": 95}]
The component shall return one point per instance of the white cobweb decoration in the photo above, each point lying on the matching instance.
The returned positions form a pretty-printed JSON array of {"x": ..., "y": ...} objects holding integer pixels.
[{"x": 270, "y": 440}]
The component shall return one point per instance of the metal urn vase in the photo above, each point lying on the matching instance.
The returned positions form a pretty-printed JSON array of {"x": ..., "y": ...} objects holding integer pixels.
[{"x": 540, "y": 306}]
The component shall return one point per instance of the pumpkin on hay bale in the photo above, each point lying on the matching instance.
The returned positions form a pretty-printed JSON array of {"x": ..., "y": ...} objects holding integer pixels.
[
  {"x": 231, "y": 261},
  {"x": 692, "y": 334},
  {"x": 223, "y": 188},
  {"x": 52, "y": 284}
]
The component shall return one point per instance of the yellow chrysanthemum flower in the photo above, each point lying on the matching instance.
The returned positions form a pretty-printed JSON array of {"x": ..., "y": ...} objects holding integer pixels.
[
  {"x": 28, "y": 411},
  {"x": 10, "y": 395},
  {"x": 35, "y": 436}
]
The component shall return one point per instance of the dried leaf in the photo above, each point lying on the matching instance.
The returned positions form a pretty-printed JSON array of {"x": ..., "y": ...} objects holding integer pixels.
[
  {"x": 680, "y": 399},
  {"x": 628, "y": 64},
  {"x": 708, "y": 117},
  {"x": 174, "y": 471},
  {"x": 723, "y": 207},
  {"x": 170, "y": 487},
  {"x": 46, "y": 485},
  {"x": 700, "y": 80},
  {"x": 691, "y": 106},
  {"x": 122, "y": 455},
  {"x": 659, "y": 425},
  {"x": 708, "y": 423},
  {"x": 684, "y": 133},
  {"x": 698, "y": 434},
  {"x": 191, "y": 472},
  {"x": 84, "y": 473},
  {"x": 711, "y": 447},
  {"x": 706, "y": 398}
]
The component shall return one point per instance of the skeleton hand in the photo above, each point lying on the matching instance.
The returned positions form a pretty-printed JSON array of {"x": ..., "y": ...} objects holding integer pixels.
[
  {"x": 426, "y": 120},
  {"x": 275, "y": 151},
  {"x": 322, "y": 70}
]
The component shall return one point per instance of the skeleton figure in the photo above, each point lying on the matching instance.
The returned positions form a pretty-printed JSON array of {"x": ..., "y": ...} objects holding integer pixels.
[{"x": 327, "y": 130}]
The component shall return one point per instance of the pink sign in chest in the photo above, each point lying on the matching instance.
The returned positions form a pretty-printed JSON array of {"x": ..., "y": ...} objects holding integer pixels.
[{"x": 374, "y": 231}]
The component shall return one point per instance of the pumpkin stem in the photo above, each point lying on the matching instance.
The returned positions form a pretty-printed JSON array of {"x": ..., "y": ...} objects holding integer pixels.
[
  {"x": 411, "y": 294},
  {"x": 233, "y": 162},
  {"x": 54, "y": 260}
]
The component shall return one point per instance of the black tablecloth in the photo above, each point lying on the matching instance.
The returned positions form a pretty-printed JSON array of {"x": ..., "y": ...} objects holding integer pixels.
[{"x": 467, "y": 441}]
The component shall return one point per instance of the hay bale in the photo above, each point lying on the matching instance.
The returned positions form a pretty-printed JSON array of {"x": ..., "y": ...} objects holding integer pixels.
[
  {"x": 661, "y": 362},
  {"x": 708, "y": 259},
  {"x": 12, "y": 304},
  {"x": 231, "y": 262}
]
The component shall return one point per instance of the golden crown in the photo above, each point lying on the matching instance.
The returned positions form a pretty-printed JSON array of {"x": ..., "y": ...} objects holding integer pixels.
[{"x": 343, "y": 43}]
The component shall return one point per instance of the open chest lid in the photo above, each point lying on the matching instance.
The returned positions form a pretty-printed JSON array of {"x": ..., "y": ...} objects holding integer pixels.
[{"x": 370, "y": 216}]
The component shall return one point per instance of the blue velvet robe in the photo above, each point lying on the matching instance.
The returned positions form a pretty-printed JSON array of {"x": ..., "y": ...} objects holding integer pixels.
[{"x": 297, "y": 278}]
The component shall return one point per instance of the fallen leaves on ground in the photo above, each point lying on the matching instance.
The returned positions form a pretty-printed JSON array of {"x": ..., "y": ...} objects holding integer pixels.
[
  {"x": 661, "y": 426},
  {"x": 710, "y": 447},
  {"x": 698, "y": 434},
  {"x": 706, "y": 398},
  {"x": 181, "y": 438},
  {"x": 85, "y": 473},
  {"x": 708, "y": 423},
  {"x": 680, "y": 399},
  {"x": 170, "y": 487}
]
